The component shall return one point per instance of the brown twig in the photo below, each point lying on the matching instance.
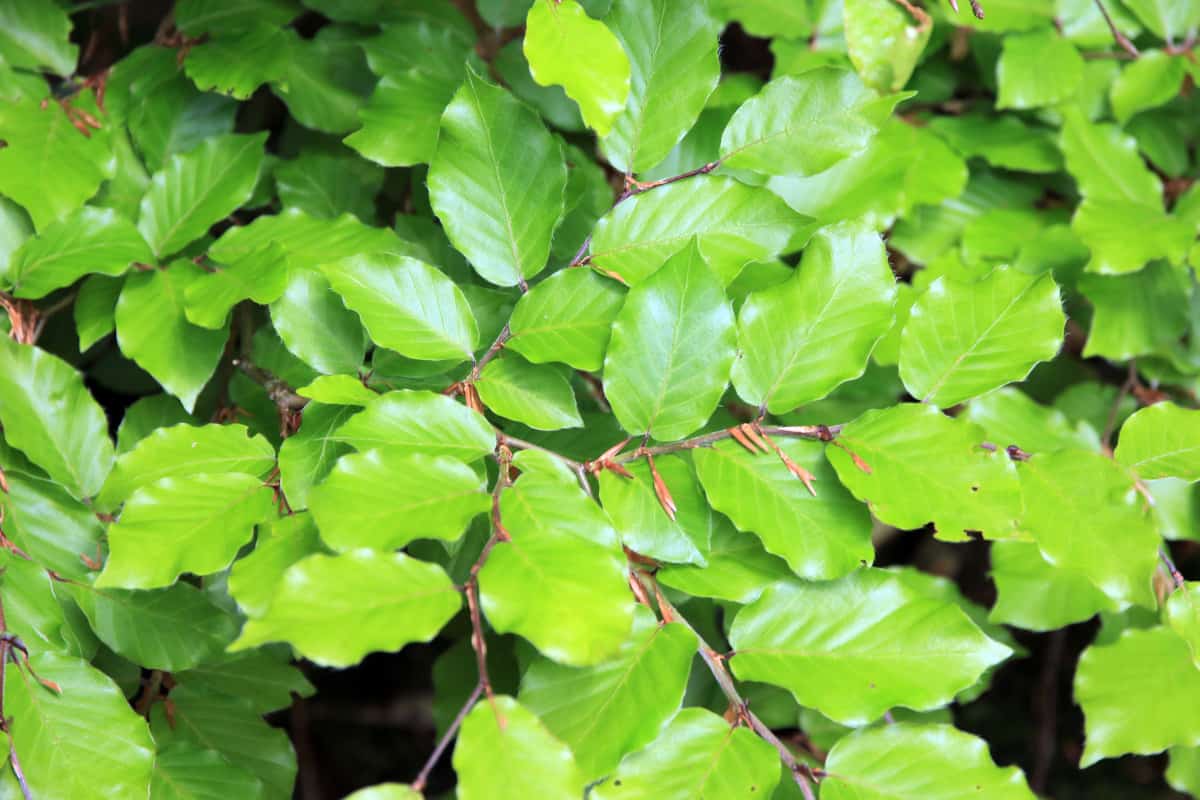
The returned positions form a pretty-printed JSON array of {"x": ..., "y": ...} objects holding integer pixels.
[
  {"x": 1121, "y": 39},
  {"x": 821, "y": 433},
  {"x": 1045, "y": 710},
  {"x": 918, "y": 13},
  {"x": 280, "y": 393},
  {"x": 1131, "y": 383},
  {"x": 492, "y": 352},
  {"x": 418, "y": 784},
  {"x": 5, "y": 657}
]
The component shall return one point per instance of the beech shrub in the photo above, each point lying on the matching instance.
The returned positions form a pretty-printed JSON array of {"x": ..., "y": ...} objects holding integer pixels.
[{"x": 732, "y": 399}]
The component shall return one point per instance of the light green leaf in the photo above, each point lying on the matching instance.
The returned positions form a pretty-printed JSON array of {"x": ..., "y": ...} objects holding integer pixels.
[
  {"x": 82, "y": 742},
  {"x": 551, "y": 101},
  {"x": 1128, "y": 708},
  {"x": 672, "y": 348},
  {"x": 307, "y": 456},
  {"x": 339, "y": 390},
  {"x": 1170, "y": 21},
  {"x": 232, "y": 727},
  {"x": 672, "y": 51},
  {"x": 496, "y": 182},
  {"x": 37, "y": 36},
  {"x": 198, "y": 188},
  {"x": 236, "y": 63},
  {"x": 1183, "y": 771},
  {"x": 803, "y": 337},
  {"x": 820, "y": 537},
  {"x": 195, "y": 17},
  {"x": 1102, "y": 225},
  {"x": 48, "y": 166},
  {"x": 183, "y": 771},
  {"x": 504, "y": 752},
  {"x": 1011, "y": 417},
  {"x": 804, "y": 124},
  {"x": 46, "y": 522},
  {"x": 832, "y": 646},
  {"x": 15, "y": 229},
  {"x": 90, "y": 240},
  {"x": 337, "y": 609},
  {"x": 170, "y": 629},
  {"x": 406, "y": 305},
  {"x": 1084, "y": 513},
  {"x": 698, "y": 755},
  {"x": 308, "y": 241},
  {"x": 603, "y": 712},
  {"x": 568, "y": 317},
  {"x": 327, "y": 185},
  {"x": 153, "y": 330},
  {"x": 1183, "y": 617},
  {"x": 1105, "y": 162},
  {"x": 387, "y": 791},
  {"x": 884, "y": 42},
  {"x": 384, "y": 499},
  {"x": 567, "y": 47},
  {"x": 420, "y": 422},
  {"x": 638, "y": 515},
  {"x": 316, "y": 326},
  {"x": 261, "y": 276},
  {"x": 326, "y": 81},
  {"x": 1137, "y": 313},
  {"x": 734, "y": 223},
  {"x": 255, "y": 577},
  {"x": 769, "y": 17},
  {"x": 195, "y": 524},
  {"x": 1033, "y": 594},
  {"x": 962, "y": 340},
  {"x": 1148, "y": 82},
  {"x": 48, "y": 414},
  {"x": 1038, "y": 68},
  {"x": 738, "y": 568},
  {"x": 182, "y": 450},
  {"x": 265, "y": 676},
  {"x": 926, "y": 467},
  {"x": 1160, "y": 441},
  {"x": 558, "y": 535},
  {"x": 1003, "y": 141},
  {"x": 910, "y": 761},
  {"x": 40, "y": 610},
  {"x": 539, "y": 396}
]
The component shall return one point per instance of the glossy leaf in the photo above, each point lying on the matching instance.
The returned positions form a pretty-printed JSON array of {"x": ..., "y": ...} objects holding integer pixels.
[
  {"x": 316, "y": 326},
  {"x": 238, "y": 63},
  {"x": 420, "y": 422},
  {"x": 539, "y": 396},
  {"x": 884, "y": 42},
  {"x": 1039, "y": 68},
  {"x": 336, "y": 609},
  {"x": 183, "y": 771},
  {"x": 91, "y": 240},
  {"x": 671, "y": 351},
  {"x": 36, "y": 36},
  {"x": 1032, "y": 593},
  {"x": 255, "y": 577},
  {"x": 738, "y": 568},
  {"x": 306, "y": 457},
  {"x": 638, "y": 516},
  {"x": 1161, "y": 441},
  {"x": 568, "y": 317},
  {"x": 830, "y": 644}
]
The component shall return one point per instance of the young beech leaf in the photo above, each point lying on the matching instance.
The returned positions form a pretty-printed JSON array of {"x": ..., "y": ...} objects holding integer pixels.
[
  {"x": 568, "y": 317},
  {"x": 1160, "y": 441},
  {"x": 336, "y": 609},
  {"x": 567, "y": 47},
  {"x": 537, "y": 395},
  {"x": 831, "y": 644},
  {"x": 419, "y": 422},
  {"x": 91, "y": 240},
  {"x": 1032, "y": 593},
  {"x": 672, "y": 348},
  {"x": 183, "y": 769},
  {"x": 738, "y": 567},
  {"x": 803, "y": 337},
  {"x": 496, "y": 182},
  {"x": 637, "y": 512},
  {"x": 1183, "y": 616},
  {"x": 315, "y": 325}
]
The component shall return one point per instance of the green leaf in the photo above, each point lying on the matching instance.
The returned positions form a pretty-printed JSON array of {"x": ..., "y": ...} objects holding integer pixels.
[
  {"x": 770, "y": 17},
  {"x": 1105, "y": 163},
  {"x": 539, "y": 396},
  {"x": 329, "y": 184},
  {"x": 568, "y": 317},
  {"x": 926, "y": 467},
  {"x": 176, "y": 525},
  {"x": 1137, "y": 313},
  {"x": 504, "y": 752},
  {"x": 153, "y": 330},
  {"x": 406, "y": 305},
  {"x": 672, "y": 348},
  {"x": 1102, "y": 224},
  {"x": 603, "y": 712},
  {"x": 386, "y": 791},
  {"x": 316, "y": 326},
  {"x": 496, "y": 182},
  {"x": 1003, "y": 141},
  {"x": 909, "y": 761},
  {"x": 803, "y": 337},
  {"x": 195, "y": 17},
  {"x": 182, "y": 450},
  {"x": 198, "y": 188},
  {"x": 183, "y": 771},
  {"x": 638, "y": 515},
  {"x": 264, "y": 675},
  {"x": 36, "y": 36},
  {"x": 698, "y": 755},
  {"x": 1170, "y": 21},
  {"x": 308, "y": 241},
  {"x": 734, "y": 224},
  {"x": 1162, "y": 440},
  {"x": 15, "y": 230},
  {"x": 884, "y": 42},
  {"x": 567, "y": 47},
  {"x": 307, "y": 456},
  {"x": 49, "y": 524},
  {"x": 832, "y": 645},
  {"x": 962, "y": 340},
  {"x": 255, "y": 577},
  {"x": 738, "y": 568},
  {"x": 40, "y": 610},
  {"x": 1148, "y": 82},
  {"x": 1128, "y": 708},
  {"x": 90, "y": 240},
  {"x": 821, "y": 537},
  {"x": 337, "y": 609},
  {"x": 83, "y": 741},
  {"x": 1085, "y": 514},
  {"x": 551, "y": 101},
  {"x": 261, "y": 276},
  {"x": 1011, "y": 417},
  {"x": 236, "y": 63},
  {"x": 803, "y": 124},
  {"x": 557, "y": 535},
  {"x": 1183, "y": 617},
  {"x": 672, "y": 51},
  {"x": 339, "y": 390},
  {"x": 48, "y": 414},
  {"x": 232, "y": 727},
  {"x": 420, "y": 422},
  {"x": 1038, "y": 68},
  {"x": 326, "y": 81},
  {"x": 48, "y": 166},
  {"x": 170, "y": 629},
  {"x": 1033, "y": 594}
]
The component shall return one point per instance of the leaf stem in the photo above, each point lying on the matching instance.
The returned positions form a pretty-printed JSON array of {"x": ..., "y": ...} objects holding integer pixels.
[
  {"x": 418, "y": 784},
  {"x": 278, "y": 390},
  {"x": 492, "y": 352},
  {"x": 1121, "y": 39},
  {"x": 822, "y": 433}
]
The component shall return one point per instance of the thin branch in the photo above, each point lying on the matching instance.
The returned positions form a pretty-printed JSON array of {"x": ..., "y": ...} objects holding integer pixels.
[
  {"x": 822, "y": 433},
  {"x": 1045, "y": 710},
  {"x": 1121, "y": 39},
  {"x": 1172, "y": 570},
  {"x": 492, "y": 352},
  {"x": 918, "y": 13},
  {"x": 422, "y": 778},
  {"x": 278, "y": 390},
  {"x": 716, "y": 665},
  {"x": 5, "y": 657},
  {"x": 1131, "y": 383}
]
